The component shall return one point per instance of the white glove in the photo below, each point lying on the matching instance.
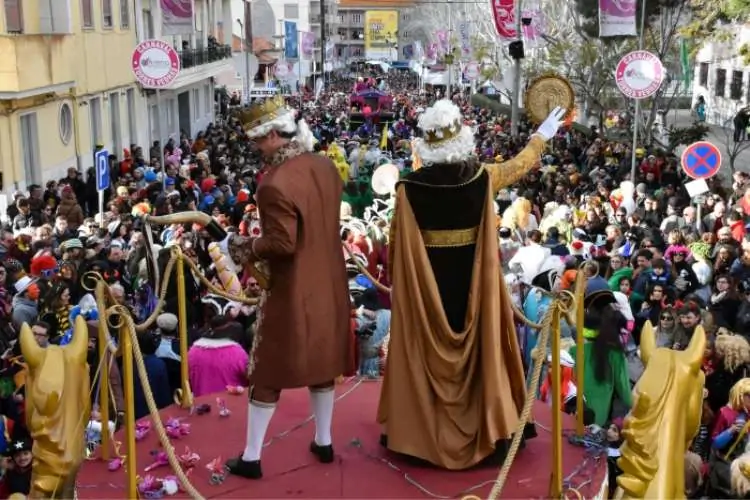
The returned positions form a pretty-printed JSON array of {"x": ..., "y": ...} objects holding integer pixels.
[{"x": 549, "y": 127}]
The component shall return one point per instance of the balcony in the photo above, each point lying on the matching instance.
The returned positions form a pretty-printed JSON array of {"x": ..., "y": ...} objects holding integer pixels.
[
  {"x": 190, "y": 58},
  {"x": 201, "y": 64}
]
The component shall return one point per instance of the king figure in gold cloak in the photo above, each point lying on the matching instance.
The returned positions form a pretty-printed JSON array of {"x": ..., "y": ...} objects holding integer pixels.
[{"x": 454, "y": 384}]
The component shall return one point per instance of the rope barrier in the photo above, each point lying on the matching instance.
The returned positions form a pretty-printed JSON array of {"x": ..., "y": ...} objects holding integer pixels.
[{"x": 560, "y": 305}]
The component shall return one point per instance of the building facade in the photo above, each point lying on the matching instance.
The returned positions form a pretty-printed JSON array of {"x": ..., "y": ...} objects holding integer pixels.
[
  {"x": 65, "y": 86},
  {"x": 187, "y": 105},
  {"x": 722, "y": 78},
  {"x": 352, "y": 17}
]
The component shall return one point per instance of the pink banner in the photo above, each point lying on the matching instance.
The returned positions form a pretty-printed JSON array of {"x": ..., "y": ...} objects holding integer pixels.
[
  {"x": 503, "y": 14},
  {"x": 617, "y": 18},
  {"x": 177, "y": 17},
  {"x": 532, "y": 33},
  {"x": 307, "y": 41}
]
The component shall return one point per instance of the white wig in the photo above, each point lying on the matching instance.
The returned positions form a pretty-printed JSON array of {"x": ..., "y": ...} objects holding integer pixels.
[
  {"x": 442, "y": 116},
  {"x": 285, "y": 123}
]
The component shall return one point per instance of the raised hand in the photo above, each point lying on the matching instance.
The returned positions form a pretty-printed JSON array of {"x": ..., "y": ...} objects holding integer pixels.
[{"x": 549, "y": 127}]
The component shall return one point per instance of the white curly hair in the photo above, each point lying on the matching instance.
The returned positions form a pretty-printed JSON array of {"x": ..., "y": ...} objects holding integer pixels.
[
  {"x": 443, "y": 114},
  {"x": 285, "y": 123}
]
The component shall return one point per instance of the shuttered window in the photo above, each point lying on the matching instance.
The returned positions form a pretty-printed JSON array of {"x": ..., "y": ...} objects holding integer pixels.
[
  {"x": 13, "y": 16},
  {"x": 87, "y": 13},
  {"x": 107, "y": 14}
]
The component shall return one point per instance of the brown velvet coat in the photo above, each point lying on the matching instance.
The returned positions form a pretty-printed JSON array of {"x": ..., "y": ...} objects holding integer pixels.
[{"x": 304, "y": 331}]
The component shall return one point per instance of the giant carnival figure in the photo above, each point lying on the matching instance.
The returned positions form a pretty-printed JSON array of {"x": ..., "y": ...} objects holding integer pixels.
[
  {"x": 454, "y": 383},
  {"x": 57, "y": 409},
  {"x": 664, "y": 420}
]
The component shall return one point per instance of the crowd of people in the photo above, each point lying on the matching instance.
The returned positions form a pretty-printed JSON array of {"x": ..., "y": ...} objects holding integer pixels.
[{"x": 639, "y": 242}]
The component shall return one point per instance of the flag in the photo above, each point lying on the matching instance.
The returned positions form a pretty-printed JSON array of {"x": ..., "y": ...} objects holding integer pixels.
[
  {"x": 384, "y": 138},
  {"x": 687, "y": 73}
]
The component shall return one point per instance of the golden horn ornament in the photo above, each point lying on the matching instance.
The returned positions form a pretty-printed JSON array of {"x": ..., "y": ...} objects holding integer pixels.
[{"x": 258, "y": 270}]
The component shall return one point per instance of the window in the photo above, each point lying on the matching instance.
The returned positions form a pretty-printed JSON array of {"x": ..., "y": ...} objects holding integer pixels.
[
  {"x": 357, "y": 52},
  {"x": 291, "y": 11},
  {"x": 66, "y": 123},
  {"x": 171, "y": 104},
  {"x": 30, "y": 148},
  {"x": 154, "y": 118},
  {"x": 124, "y": 14},
  {"x": 341, "y": 18},
  {"x": 196, "y": 104},
  {"x": 207, "y": 101},
  {"x": 703, "y": 76},
  {"x": 13, "y": 17},
  {"x": 131, "y": 116},
  {"x": 95, "y": 120},
  {"x": 357, "y": 18},
  {"x": 405, "y": 17},
  {"x": 114, "y": 123},
  {"x": 107, "y": 14},
  {"x": 720, "y": 83},
  {"x": 405, "y": 34},
  {"x": 54, "y": 17},
  {"x": 736, "y": 85},
  {"x": 87, "y": 13}
]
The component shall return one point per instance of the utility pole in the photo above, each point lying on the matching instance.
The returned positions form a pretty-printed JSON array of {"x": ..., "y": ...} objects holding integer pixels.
[
  {"x": 247, "y": 45},
  {"x": 323, "y": 42},
  {"x": 516, "y": 104}
]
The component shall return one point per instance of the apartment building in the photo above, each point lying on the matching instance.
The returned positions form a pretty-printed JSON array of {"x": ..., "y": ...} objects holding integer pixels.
[
  {"x": 205, "y": 48},
  {"x": 722, "y": 77},
  {"x": 65, "y": 86},
  {"x": 352, "y": 15},
  {"x": 66, "y": 83}
]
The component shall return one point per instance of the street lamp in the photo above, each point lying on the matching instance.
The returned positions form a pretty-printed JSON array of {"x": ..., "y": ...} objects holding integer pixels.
[{"x": 246, "y": 51}]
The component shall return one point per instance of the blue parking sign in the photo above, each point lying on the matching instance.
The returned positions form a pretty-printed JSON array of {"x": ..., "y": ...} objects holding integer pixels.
[{"x": 101, "y": 158}]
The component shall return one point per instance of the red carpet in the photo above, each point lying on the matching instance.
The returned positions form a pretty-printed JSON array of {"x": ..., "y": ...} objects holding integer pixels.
[{"x": 363, "y": 468}]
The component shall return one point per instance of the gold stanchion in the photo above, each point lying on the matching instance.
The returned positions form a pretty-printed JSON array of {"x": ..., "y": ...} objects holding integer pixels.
[
  {"x": 580, "y": 290},
  {"x": 185, "y": 394},
  {"x": 128, "y": 381},
  {"x": 556, "y": 489},
  {"x": 103, "y": 346}
]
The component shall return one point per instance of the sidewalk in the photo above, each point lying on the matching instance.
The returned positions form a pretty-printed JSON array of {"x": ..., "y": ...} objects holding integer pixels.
[{"x": 717, "y": 136}]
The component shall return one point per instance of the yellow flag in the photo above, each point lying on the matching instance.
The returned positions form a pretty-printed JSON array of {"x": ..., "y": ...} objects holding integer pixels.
[{"x": 384, "y": 138}]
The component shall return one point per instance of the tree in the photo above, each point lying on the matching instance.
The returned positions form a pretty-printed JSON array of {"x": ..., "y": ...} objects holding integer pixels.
[
  {"x": 714, "y": 20},
  {"x": 734, "y": 149},
  {"x": 685, "y": 136}
]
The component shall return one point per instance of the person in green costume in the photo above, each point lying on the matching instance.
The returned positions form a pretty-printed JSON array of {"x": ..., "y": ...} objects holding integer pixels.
[{"x": 605, "y": 365}]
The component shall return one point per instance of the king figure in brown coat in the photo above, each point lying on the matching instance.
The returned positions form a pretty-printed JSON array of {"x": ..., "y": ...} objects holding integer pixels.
[{"x": 303, "y": 337}]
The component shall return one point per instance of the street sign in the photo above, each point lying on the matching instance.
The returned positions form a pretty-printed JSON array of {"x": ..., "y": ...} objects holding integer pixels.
[
  {"x": 701, "y": 160},
  {"x": 639, "y": 74},
  {"x": 155, "y": 64},
  {"x": 102, "y": 169}
]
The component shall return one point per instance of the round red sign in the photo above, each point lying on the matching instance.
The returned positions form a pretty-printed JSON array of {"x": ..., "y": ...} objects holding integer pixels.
[
  {"x": 155, "y": 64},
  {"x": 639, "y": 74}
]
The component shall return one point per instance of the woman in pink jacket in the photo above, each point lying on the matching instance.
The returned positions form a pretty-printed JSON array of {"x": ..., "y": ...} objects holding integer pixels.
[{"x": 216, "y": 361}]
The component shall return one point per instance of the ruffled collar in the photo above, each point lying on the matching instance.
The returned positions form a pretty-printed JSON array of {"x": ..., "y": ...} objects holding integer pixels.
[{"x": 286, "y": 152}]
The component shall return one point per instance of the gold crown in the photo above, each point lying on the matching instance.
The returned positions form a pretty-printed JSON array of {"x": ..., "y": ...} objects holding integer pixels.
[
  {"x": 261, "y": 112},
  {"x": 437, "y": 136}
]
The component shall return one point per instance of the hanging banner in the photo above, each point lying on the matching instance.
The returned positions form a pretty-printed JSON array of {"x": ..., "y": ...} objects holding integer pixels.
[
  {"x": 381, "y": 33},
  {"x": 177, "y": 17},
  {"x": 617, "y": 18},
  {"x": 532, "y": 33},
  {"x": 291, "y": 49},
  {"x": 307, "y": 42},
  {"x": 465, "y": 39},
  {"x": 503, "y": 14},
  {"x": 443, "y": 42}
]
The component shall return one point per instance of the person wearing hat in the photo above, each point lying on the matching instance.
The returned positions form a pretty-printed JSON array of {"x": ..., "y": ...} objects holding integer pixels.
[
  {"x": 306, "y": 318},
  {"x": 450, "y": 302},
  {"x": 25, "y": 302},
  {"x": 606, "y": 374},
  {"x": 17, "y": 478}
]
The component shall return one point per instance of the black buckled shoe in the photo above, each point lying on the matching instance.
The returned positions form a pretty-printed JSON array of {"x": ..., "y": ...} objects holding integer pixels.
[
  {"x": 324, "y": 453},
  {"x": 242, "y": 468}
]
